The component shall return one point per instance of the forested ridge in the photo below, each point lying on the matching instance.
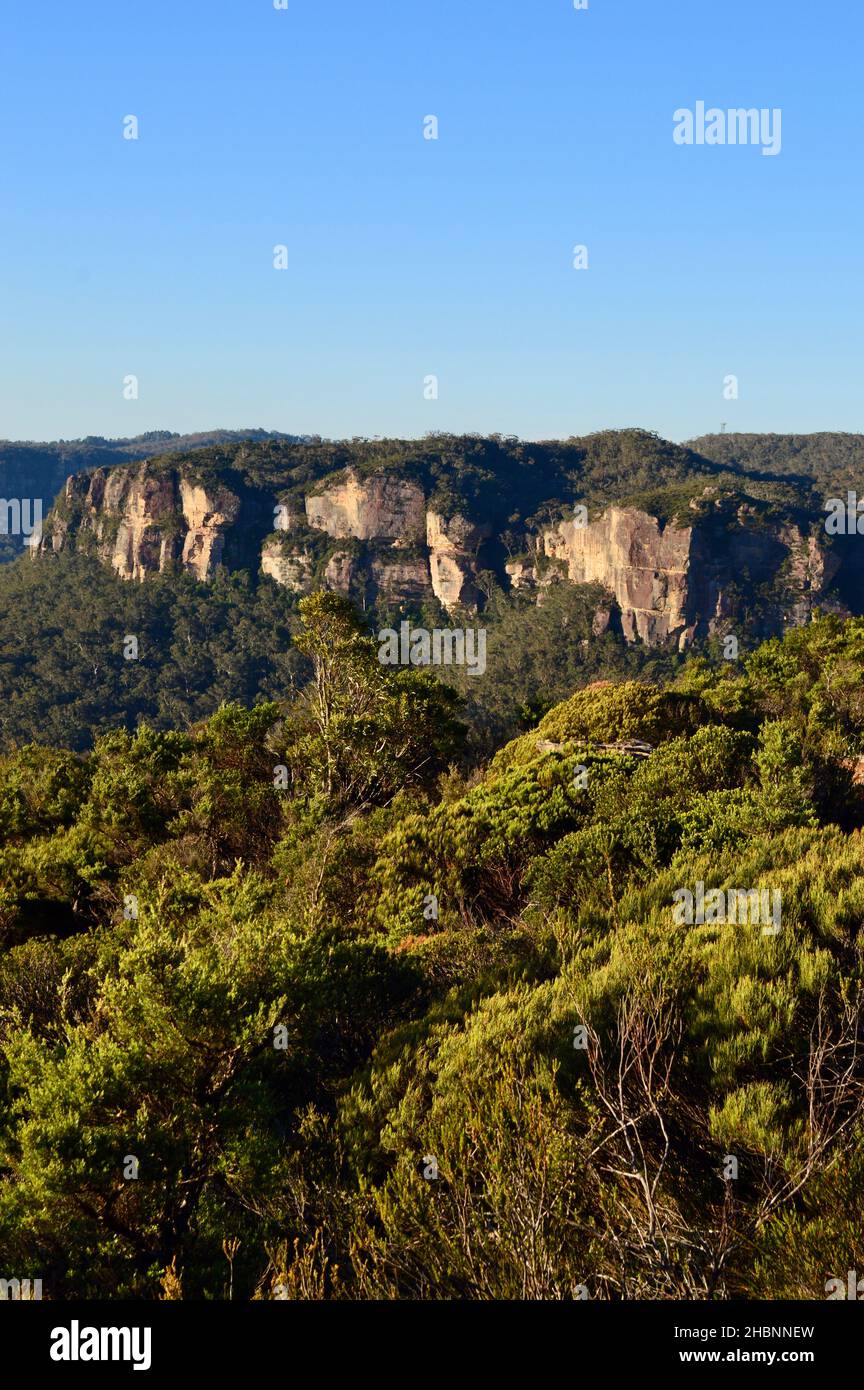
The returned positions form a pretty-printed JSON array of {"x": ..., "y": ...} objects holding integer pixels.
[
  {"x": 320, "y": 997},
  {"x": 38, "y": 470},
  {"x": 64, "y": 677},
  {"x": 64, "y": 617},
  {"x": 502, "y": 476},
  {"x": 830, "y": 459},
  {"x": 607, "y": 466}
]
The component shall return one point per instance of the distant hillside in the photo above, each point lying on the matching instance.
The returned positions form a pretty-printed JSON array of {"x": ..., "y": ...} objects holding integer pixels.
[
  {"x": 832, "y": 460},
  {"x": 685, "y": 547},
  {"x": 39, "y": 470},
  {"x": 607, "y": 556}
]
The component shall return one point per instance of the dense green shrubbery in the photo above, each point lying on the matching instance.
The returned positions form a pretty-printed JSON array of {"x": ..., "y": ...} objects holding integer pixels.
[
  {"x": 373, "y": 1024},
  {"x": 63, "y": 675}
]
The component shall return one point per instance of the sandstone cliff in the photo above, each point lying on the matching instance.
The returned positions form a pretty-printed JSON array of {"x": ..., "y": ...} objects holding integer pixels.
[
  {"x": 672, "y": 583},
  {"x": 391, "y": 512},
  {"x": 385, "y": 536},
  {"x": 643, "y": 563},
  {"x": 384, "y": 507},
  {"x": 145, "y": 521}
]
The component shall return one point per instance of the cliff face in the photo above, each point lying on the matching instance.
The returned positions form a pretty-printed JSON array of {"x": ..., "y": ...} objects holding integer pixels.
[
  {"x": 673, "y": 583},
  {"x": 453, "y": 550},
  {"x": 382, "y": 508},
  {"x": 380, "y": 537},
  {"x": 645, "y": 565},
  {"x": 144, "y": 521},
  {"x": 39, "y": 471},
  {"x": 392, "y": 513},
  {"x": 206, "y": 513}
]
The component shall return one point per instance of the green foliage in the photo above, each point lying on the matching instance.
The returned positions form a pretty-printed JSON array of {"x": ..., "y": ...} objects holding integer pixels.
[
  {"x": 832, "y": 460},
  {"x": 364, "y": 730},
  {"x": 63, "y": 675},
  {"x": 540, "y": 653},
  {"x": 392, "y": 1029}
]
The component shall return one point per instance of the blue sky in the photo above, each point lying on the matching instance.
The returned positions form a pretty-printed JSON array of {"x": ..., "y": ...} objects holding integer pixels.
[{"x": 411, "y": 257}]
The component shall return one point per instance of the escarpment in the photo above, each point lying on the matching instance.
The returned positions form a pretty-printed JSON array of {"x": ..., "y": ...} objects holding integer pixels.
[
  {"x": 672, "y": 583},
  {"x": 376, "y": 508},
  {"x": 412, "y": 533},
  {"x": 645, "y": 565},
  {"x": 143, "y": 521}
]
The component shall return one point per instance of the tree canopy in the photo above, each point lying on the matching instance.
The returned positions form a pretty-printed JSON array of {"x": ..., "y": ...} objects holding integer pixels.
[{"x": 294, "y": 1001}]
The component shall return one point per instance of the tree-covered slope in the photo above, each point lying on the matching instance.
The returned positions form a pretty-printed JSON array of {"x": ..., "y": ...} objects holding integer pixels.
[
  {"x": 65, "y": 677},
  {"x": 291, "y": 1004},
  {"x": 833, "y": 461}
]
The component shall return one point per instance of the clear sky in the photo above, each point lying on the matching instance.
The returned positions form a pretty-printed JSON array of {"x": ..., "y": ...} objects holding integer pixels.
[{"x": 410, "y": 257}]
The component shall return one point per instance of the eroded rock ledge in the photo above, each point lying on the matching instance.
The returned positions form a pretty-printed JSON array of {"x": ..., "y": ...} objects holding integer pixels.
[{"x": 667, "y": 582}]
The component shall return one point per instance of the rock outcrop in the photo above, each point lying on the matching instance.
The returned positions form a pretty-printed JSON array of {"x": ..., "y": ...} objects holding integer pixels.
[
  {"x": 643, "y": 563},
  {"x": 292, "y": 569},
  {"x": 400, "y": 580},
  {"x": 207, "y": 513},
  {"x": 377, "y": 536},
  {"x": 145, "y": 521},
  {"x": 672, "y": 583},
  {"x": 453, "y": 549},
  {"x": 373, "y": 508}
]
